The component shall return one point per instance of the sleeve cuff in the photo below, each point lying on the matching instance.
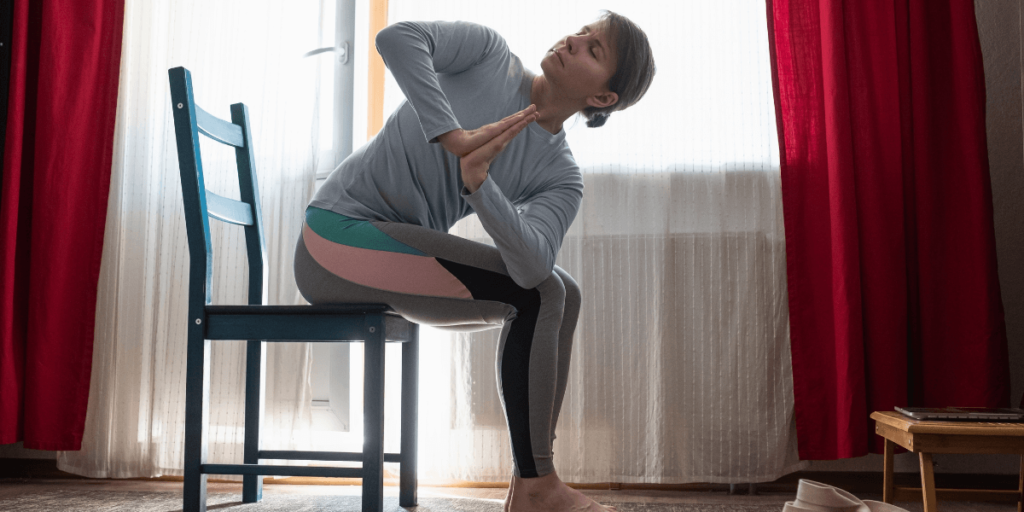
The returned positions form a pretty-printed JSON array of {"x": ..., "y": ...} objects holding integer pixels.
[
  {"x": 477, "y": 197},
  {"x": 432, "y": 135}
]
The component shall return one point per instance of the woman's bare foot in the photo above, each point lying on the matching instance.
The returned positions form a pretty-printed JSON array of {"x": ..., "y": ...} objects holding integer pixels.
[{"x": 549, "y": 494}]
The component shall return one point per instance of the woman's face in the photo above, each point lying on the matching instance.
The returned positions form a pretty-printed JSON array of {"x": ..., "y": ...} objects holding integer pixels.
[{"x": 581, "y": 65}]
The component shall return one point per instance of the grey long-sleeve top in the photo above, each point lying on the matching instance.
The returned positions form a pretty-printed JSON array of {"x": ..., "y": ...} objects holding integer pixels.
[{"x": 461, "y": 75}]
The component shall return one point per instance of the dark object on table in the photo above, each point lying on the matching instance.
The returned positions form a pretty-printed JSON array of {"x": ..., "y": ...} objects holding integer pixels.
[{"x": 962, "y": 413}]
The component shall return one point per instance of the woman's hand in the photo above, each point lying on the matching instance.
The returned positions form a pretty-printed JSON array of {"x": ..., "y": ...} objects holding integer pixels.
[
  {"x": 475, "y": 164},
  {"x": 462, "y": 142}
]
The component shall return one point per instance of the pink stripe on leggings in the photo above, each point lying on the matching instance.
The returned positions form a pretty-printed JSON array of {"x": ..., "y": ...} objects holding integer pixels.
[{"x": 391, "y": 271}]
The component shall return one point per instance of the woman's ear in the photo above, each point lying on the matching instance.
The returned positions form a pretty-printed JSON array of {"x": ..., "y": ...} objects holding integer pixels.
[{"x": 602, "y": 100}]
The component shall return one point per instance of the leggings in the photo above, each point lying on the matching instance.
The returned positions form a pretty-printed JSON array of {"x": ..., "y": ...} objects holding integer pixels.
[{"x": 437, "y": 279}]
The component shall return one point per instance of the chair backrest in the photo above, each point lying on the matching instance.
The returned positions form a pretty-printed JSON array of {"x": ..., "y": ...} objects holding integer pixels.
[{"x": 189, "y": 121}]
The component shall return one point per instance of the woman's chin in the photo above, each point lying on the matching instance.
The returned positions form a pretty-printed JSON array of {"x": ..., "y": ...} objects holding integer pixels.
[{"x": 549, "y": 63}]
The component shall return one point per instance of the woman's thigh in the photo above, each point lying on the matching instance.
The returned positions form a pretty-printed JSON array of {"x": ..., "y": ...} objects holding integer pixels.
[{"x": 429, "y": 284}]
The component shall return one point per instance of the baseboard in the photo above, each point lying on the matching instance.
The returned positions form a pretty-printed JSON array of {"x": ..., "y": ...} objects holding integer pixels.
[
  {"x": 857, "y": 482},
  {"x": 33, "y": 468}
]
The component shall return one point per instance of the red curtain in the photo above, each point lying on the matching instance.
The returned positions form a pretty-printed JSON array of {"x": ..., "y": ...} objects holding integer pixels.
[
  {"x": 65, "y": 65},
  {"x": 890, "y": 247}
]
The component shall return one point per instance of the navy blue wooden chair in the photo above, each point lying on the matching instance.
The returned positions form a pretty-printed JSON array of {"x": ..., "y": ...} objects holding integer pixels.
[{"x": 257, "y": 322}]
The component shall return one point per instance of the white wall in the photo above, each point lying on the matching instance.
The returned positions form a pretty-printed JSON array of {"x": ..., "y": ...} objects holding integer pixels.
[{"x": 1002, "y": 44}]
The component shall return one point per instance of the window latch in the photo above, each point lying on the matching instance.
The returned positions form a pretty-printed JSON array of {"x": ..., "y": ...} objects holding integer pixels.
[{"x": 341, "y": 51}]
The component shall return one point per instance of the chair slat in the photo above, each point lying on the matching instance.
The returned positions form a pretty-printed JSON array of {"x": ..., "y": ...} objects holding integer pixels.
[
  {"x": 300, "y": 327},
  {"x": 228, "y": 210},
  {"x": 336, "y": 456},
  {"x": 253, "y": 469},
  {"x": 219, "y": 129}
]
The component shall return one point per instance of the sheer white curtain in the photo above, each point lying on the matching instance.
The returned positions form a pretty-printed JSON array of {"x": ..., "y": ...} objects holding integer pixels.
[
  {"x": 681, "y": 366},
  {"x": 237, "y": 50}
]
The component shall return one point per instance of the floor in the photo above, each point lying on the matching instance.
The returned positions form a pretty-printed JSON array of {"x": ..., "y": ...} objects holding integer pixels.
[{"x": 11, "y": 488}]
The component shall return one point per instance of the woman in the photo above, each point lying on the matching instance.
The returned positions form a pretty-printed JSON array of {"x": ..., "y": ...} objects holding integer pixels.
[{"x": 377, "y": 229}]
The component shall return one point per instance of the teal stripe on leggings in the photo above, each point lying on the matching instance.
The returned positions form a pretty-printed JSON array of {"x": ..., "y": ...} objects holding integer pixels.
[{"x": 353, "y": 233}]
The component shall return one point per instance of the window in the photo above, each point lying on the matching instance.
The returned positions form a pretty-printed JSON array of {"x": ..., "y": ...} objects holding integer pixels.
[
  {"x": 344, "y": 26},
  {"x": 344, "y": 99}
]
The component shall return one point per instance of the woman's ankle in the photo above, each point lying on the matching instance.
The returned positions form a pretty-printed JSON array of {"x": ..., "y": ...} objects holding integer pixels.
[{"x": 538, "y": 484}]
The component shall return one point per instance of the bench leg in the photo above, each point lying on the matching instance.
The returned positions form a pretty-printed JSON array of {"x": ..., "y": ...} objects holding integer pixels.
[
  {"x": 887, "y": 473},
  {"x": 197, "y": 412},
  {"x": 928, "y": 483},
  {"x": 255, "y": 394},
  {"x": 1020, "y": 487},
  {"x": 410, "y": 415},
  {"x": 373, "y": 415}
]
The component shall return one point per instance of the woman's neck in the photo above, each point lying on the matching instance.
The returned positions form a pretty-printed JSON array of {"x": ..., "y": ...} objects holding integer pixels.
[{"x": 553, "y": 109}]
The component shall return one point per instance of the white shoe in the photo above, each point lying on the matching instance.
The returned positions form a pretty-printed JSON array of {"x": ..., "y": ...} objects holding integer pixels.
[{"x": 814, "y": 496}]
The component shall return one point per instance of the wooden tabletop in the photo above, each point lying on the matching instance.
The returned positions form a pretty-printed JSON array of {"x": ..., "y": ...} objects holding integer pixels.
[{"x": 907, "y": 424}]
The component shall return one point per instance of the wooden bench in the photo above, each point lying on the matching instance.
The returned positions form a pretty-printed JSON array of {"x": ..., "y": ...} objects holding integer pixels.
[{"x": 928, "y": 437}]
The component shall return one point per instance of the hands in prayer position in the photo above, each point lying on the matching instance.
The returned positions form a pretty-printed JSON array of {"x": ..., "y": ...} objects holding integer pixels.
[{"x": 477, "y": 148}]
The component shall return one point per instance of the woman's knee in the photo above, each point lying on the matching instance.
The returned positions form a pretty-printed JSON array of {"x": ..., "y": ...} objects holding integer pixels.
[
  {"x": 573, "y": 294},
  {"x": 553, "y": 290}
]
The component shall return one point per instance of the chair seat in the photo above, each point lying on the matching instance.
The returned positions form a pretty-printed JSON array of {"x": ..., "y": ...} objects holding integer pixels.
[
  {"x": 325, "y": 322},
  {"x": 319, "y": 309}
]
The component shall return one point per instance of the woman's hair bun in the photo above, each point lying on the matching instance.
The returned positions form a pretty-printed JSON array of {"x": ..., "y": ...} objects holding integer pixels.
[{"x": 597, "y": 119}]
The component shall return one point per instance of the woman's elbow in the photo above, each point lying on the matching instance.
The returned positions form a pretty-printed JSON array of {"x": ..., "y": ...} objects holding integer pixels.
[
  {"x": 389, "y": 35},
  {"x": 528, "y": 281},
  {"x": 533, "y": 275},
  {"x": 383, "y": 37}
]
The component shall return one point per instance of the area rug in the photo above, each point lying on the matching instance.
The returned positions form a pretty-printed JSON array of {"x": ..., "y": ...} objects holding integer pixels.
[
  {"x": 121, "y": 501},
  {"x": 74, "y": 500}
]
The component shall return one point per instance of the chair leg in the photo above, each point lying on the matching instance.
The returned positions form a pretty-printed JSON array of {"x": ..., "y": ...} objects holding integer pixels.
[
  {"x": 255, "y": 394},
  {"x": 197, "y": 411},
  {"x": 410, "y": 398},
  {"x": 373, "y": 415}
]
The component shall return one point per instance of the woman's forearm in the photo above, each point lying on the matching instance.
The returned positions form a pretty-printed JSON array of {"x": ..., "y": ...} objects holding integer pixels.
[
  {"x": 416, "y": 52},
  {"x": 529, "y": 237}
]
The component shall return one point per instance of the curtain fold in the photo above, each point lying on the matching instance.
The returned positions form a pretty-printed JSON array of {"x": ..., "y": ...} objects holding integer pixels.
[
  {"x": 893, "y": 292},
  {"x": 248, "y": 51},
  {"x": 680, "y": 366},
  {"x": 56, "y": 175}
]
